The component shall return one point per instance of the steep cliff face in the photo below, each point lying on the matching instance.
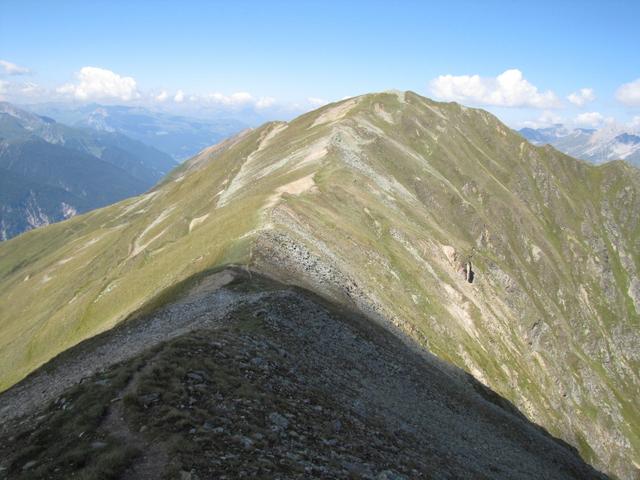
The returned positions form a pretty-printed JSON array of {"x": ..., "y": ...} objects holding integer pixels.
[{"x": 517, "y": 263}]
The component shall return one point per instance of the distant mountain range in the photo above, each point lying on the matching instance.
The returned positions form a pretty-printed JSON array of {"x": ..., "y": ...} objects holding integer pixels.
[
  {"x": 179, "y": 136},
  {"x": 50, "y": 172},
  {"x": 596, "y": 146}
]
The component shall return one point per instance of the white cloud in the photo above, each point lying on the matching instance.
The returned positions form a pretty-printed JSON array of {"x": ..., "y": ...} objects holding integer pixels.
[
  {"x": 235, "y": 99},
  {"x": 634, "y": 124},
  {"x": 590, "y": 119},
  {"x": 629, "y": 93},
  {"x": 582, "y": 97},
  {"x": 509, "y": 89},
  {"x": 265, "y": 102},
  {"x": 162, "y": 96},
  {"x": 99, "y": 83},
  {"x": 546, "y": 119},
  {"x": 21, "y": 91},
  {"x": 317, "y": 102},
  {"x": 13, "y": 69},
  {"x": 240, "y": 98},
  {"x": 31, "y": 89}
]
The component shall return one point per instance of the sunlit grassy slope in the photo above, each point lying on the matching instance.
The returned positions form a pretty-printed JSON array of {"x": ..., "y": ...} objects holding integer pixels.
[{"x": 378, "y": 201}]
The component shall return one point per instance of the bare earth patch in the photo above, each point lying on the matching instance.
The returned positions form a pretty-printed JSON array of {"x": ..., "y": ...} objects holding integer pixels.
[
  {"x": 335, "y": 113},
  {"x": 294, "y": 188}
]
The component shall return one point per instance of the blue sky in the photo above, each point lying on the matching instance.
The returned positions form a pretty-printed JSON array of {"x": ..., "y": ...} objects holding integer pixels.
[{"x": 280, "y": 57}]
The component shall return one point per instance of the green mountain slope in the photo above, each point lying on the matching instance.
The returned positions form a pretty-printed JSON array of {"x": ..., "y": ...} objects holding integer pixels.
[{"x": 388, "y": 203}]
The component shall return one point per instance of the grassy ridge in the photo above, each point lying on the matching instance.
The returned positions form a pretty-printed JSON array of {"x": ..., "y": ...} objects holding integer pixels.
[{"x": 361, "y": 201}]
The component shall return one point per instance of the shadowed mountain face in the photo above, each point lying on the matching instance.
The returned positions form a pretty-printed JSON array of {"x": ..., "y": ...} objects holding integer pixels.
[
  {"x": 177, "y": 135},
  {"x": 242, "y": 374},
  {"x": 514, "y": 262},
  {"x": 145, "y": 163},
  {"x": 50, "y": 172}
]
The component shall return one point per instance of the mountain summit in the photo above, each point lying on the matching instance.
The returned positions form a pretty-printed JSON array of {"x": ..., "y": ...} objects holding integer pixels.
[{"x": 516, "y": 263}]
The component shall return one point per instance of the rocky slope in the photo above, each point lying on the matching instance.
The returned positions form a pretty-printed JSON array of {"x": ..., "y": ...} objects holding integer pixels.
[
  {"x": 514, "y": 262},
  {"x": 242, "y": 377}
]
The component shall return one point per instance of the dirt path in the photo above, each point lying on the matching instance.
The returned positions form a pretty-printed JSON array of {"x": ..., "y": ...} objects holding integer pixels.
[
  {"x": 205, "y": 306},
  {"x": 151, "y": 464}
]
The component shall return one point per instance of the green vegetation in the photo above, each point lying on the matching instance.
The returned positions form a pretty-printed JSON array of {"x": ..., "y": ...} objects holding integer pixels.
[
  {"x": 64, "y": 440},
  {"x": 376, "y": 202}
]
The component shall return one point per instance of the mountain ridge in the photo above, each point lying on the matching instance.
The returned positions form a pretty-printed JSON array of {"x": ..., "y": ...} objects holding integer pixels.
[
  {"x": 271, "y": 358},
  {"x": 383, "y": 202}
]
